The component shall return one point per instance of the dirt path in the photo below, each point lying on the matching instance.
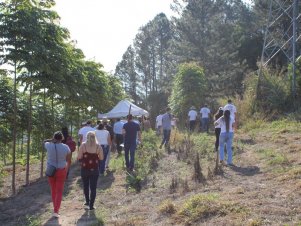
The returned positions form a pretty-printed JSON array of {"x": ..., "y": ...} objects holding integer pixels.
[{"x": 268, "y": 194}]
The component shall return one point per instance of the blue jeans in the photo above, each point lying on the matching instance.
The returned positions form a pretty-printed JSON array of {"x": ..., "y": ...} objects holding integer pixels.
[
  {"x": 226, "y": 138},
  {"x": 129, "y": 154},
  {"x": 102, "y": 163},
  {"x": 166, "y": 136},
  {"x": 205, "y": 124}
]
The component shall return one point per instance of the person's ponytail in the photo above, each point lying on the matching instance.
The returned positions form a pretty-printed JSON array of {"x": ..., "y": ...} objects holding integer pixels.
[{"x": 227, "y": 120}]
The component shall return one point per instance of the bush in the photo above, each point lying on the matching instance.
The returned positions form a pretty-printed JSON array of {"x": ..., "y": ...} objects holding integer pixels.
[
  {"x": 146, "y": 159},
  {"x": 268, "y": 97}
]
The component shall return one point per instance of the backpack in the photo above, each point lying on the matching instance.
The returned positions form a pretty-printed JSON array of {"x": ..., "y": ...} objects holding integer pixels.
[{"x": 71, "y": 144}]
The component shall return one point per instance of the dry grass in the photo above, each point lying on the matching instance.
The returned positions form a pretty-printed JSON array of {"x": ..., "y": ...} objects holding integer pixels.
[
  {"x": 167, "y": 207},
  {"x": 293, "y": 174},
  {"x": 204, "y": 206}
]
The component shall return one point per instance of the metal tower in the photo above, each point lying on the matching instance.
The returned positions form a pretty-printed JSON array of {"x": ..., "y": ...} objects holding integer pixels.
[{"x": 282, "y": 34}]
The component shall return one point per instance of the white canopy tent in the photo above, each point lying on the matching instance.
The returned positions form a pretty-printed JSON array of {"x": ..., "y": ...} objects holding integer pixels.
[{"x": 122, "y": 110}]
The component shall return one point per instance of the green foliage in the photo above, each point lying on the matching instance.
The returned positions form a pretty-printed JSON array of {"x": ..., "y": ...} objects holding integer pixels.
[
  {"x": 189, "y": 89},
  {"x": 22, "y": 161},
  {"x": 57, "y": 82},
  {"x": 268, "y": 97},
  {"x": 31, "y": 221},
  {"x": 273, "y": 157},
  {"x": 203, "y": 144},
  {"x": 274, "y": 93},
  {"x": 145, "y": 160},
  {"x": 134, "y": 182}
]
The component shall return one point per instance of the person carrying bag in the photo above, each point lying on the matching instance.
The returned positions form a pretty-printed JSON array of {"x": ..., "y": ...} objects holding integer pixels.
[
  {"x": 58, "y": 158},
  {"x": 50, "y": 169}
]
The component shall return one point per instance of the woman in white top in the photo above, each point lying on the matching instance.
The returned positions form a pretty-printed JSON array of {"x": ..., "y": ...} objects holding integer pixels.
[
  {"x": 217, "y": 128},
  {"x": 104, "y": 139},
  {"x": 226, "y": 136}
]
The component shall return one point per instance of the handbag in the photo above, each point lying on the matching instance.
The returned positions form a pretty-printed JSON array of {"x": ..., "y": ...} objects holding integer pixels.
[{"x": 50, "y": 169}]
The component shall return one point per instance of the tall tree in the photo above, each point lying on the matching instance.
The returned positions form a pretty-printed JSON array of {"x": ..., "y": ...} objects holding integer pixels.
[{"x": 126, "y": 71}]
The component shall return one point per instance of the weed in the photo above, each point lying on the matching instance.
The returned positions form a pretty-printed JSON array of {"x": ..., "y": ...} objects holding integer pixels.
[
  {"x": 292, "y": 174},
  {"x": 30, "y": 221},
  {"x": 198, "y": 175},
  {"x": 99, "y": 218},
  {"x": 174, "y": 185},
  {"x": 134, "y": 182},
  {"x": 117, "y": 163},
  {"x": 206, "y": 205},
  {"x": 274, "y": 158},
  {"x": 167, "y": 207}
]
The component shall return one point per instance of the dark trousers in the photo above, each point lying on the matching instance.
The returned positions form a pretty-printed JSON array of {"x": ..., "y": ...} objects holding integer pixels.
[
  {"x": 166, "y": 136},
  {"x": 119, "y": 141},
  {"x": 192, "y": 124},
  {"x": 217, "y": 133},
  {"x": 102, "y": 163},
  {"x": 89, "y": 178},
  {"x": 129, "y": 154}
]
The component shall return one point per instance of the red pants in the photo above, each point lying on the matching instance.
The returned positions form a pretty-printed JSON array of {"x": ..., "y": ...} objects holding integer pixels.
[{"x": 57, "y": 187}]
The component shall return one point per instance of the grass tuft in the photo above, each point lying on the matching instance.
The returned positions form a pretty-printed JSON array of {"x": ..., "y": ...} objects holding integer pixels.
[
  {"x": 167, "y": 207},
  {"x": 202, "y": 206}
]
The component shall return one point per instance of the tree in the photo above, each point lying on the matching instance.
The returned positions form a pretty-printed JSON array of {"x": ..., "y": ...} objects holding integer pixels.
[
  {"x": 126, "y": 71},
  {"x": 190, "y": 87},
  {"x": 211, "y": 33}
]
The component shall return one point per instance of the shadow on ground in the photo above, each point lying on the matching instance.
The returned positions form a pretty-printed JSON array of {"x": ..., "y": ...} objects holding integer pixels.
[{"x": 246, "y": 171}]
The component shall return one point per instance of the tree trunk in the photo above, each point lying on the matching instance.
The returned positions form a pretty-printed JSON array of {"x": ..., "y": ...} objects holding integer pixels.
[
  {"x": 14, "y": 131},
  {"x": 52, "y": 112},
  {"x": 22, "y": 142},
  {"x": 28, "y": 135},
  {"x": 44, "y": 128},
  {"x": 71, "y": 122},
  {"x": 4, "y": 153}
]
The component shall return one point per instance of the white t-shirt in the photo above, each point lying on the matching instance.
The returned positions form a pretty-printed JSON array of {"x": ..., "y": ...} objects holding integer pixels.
[
  {"x": 232, "y": 110},
  {"x": 159, "y": 121},
  {"x": 192, "y": 114},
  {"x": 222, "y": 123},
  {"x": 84, "y": 130},
  {"x": 205, "y": 112},
  {"x": 102, "y": 136}
]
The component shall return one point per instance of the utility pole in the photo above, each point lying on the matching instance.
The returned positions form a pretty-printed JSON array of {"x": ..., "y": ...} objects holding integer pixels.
[{"x": 282, "y": 38}]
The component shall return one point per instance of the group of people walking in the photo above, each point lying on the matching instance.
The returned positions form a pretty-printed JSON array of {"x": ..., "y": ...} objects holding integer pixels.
[
  {"x": 204, "y": 116},
  {"x": 225, "y": 120},
  {"x": 93, "y": 154},
  {"x": 95, "y": 145}
]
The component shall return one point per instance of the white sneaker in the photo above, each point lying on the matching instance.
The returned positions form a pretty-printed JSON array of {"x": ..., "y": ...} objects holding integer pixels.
[{"x": 56, "y": 215}]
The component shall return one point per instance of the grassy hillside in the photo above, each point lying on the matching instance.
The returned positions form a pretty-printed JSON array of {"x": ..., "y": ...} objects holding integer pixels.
[{"x": 171, "y": 188}]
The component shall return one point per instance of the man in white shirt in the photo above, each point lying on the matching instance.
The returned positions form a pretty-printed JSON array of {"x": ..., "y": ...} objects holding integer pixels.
[
  {"x": 192, "y": 115},
  {"x": 118, "y": 126},
  {"x": 82, "y": 133},
  {"x": 233, "y": 112},
  {"x": 159, "y": 123},
  {"x": 205, "y": 114}
]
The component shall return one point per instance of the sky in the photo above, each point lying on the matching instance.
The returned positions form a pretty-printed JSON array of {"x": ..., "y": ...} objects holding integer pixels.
[{"x": 104, "y": 29}]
